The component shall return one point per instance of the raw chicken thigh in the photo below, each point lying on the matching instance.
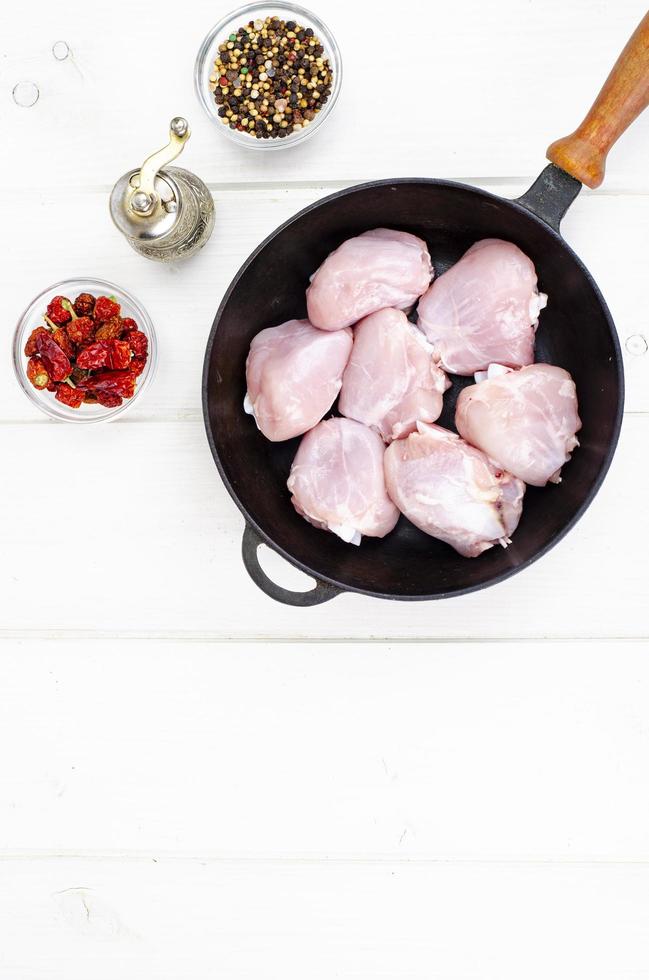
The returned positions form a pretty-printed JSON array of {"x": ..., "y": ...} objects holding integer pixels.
[
  {"x": 391, "y": 380},
  {"x": 377, "y": 269},
  {"x": 525, "y": 420},
  {"x": 294, "y": 373},
  {"x": 337, "y": 481},
  {"x": 484, "y": 310},
  {"x": 451, "y": 491}
]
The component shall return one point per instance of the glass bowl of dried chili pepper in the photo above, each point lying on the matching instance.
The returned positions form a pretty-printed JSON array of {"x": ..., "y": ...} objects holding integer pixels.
[
  {"x": 84, "y": 350},
  {"x": 269, "y": 75}
]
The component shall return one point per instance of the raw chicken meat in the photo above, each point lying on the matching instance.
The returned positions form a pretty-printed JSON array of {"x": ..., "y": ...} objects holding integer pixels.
[
  {"x": 391, "y": 380},
  {"x": 294, "y": 373},
  {"x": 451, "y": 491},
  {"x": 484, "y": 310},
  {"x": 525, "y": 420},
  {"x": 377, "y": 269},
  {"x": 337, "y": 481}
]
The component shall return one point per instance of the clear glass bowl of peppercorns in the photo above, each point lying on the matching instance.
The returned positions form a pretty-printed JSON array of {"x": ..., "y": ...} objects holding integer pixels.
[
  {"x": 84, "y": 350},
  {"x": 269, "y": 75}
]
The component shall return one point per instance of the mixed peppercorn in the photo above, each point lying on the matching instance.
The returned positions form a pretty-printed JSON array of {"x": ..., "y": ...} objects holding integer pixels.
[
  {"x": 87, "y": 352},
  {"x": 270, "y": 78}
]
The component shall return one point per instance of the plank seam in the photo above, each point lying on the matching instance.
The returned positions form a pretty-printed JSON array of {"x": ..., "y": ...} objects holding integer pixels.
[
  {"x": 171, "y": 636},
  {"x": 340, "y": 183}
]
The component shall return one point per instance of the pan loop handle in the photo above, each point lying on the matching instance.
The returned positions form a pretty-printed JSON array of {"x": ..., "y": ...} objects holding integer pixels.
[
  {"x": 322, "y": 591},
  {"x": 623, "y": 97}
]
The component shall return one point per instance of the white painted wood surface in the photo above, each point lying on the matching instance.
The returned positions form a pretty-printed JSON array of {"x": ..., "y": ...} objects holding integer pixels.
[{"x": 197, "y": 782}]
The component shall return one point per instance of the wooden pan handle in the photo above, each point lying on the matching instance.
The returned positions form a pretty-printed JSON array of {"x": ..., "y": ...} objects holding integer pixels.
[{"x": 624, "y": 95}]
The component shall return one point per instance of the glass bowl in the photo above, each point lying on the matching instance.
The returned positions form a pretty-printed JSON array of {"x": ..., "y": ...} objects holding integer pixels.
[
  {"x": 33, "y": 317},
  {"x": 228, "y": 25}
]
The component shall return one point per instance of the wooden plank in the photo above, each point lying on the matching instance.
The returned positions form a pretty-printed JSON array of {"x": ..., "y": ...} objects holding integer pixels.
[
  {"x": 127, "y": 529},
  {"x": 470, "y": 90},
  {"x": 146, "y": 920},
  {"x": 499, "y": 752},
  {"x": 608, "y": 231}
]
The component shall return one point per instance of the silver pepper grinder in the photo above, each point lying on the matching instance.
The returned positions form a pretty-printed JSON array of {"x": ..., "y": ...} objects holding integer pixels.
[{"x": 165, "y": 214}]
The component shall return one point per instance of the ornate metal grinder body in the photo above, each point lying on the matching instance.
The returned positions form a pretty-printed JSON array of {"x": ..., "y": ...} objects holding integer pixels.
[{"x": 165, "y": 214}]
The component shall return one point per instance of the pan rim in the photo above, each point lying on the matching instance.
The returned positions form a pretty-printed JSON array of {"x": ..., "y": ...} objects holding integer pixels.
[{"x": 606, "y": 463}]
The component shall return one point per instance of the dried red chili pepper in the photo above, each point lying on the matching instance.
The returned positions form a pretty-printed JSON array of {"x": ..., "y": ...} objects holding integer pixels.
[
  {"x": 30, "y": 346},
  {"x": 93, "y": 357},
  {"x": 84, "y": 304},
  {"x": 137, "y": 366},
  {"x": 77, "y": 375},
  {"x": 138, "y": 342},
  {"x": 81, "y": 329},
  {"x": 56, "y": 362},
  {"x": 61, "y": 338},
  {"x": 68, "y": 395},
  {"x": 109, "y": 400},
  {"x": 119, "y": 354},
  {"x": 110, "y": 330},
  {"x": 106, "y": 308},
  {"x": 57, "y": 312},
  {"x": 84, "y": 356},
  {"x": 37, "y": 372},
  {"x": 111, "y": 382}
]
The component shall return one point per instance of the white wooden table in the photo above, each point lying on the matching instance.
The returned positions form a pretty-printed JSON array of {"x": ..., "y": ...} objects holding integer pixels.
[{"x": 196, "y": 782}]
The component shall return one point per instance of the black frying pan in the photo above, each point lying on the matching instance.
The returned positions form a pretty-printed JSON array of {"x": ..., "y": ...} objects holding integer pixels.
[{"x": 576, "y": 332}]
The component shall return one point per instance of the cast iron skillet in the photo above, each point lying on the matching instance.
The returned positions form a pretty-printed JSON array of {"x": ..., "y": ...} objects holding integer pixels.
[{"x": 576, "y": 332}]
